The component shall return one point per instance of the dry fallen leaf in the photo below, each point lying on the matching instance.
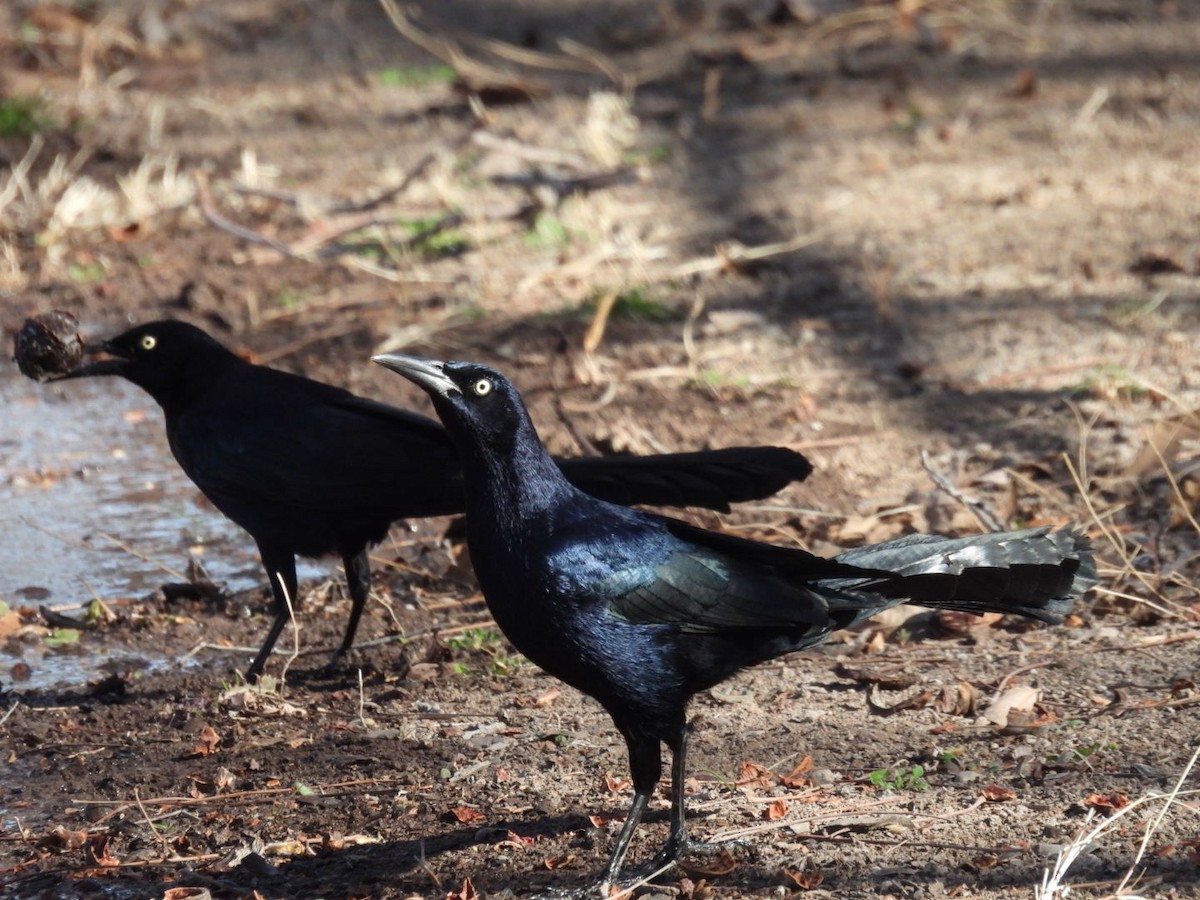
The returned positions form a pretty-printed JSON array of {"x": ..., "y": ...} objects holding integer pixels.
[
  {"x": 776, "y": 810},
  {"x": 97, "y": 850},
  {"x": 1029, "y": 721},
  {"x": 919, "y": 700},
  {"x": 187, "y": 893},
  {"x": 804, "y": 881},
  {"x": 959, "y": 700},
  {"x": 887, "y": 680},
  {"x": 756, "y": 775},
  {"x": 62, "y": 839},
  {"x": 1111, "y": 802},
  {"x": 466, "y": 814},
  {"x": 721, "y": 864},
  {"x": 797, "y": 777},
  {"x": 614, "y": 785},
  {"x": 546, "y": 697},
  {"x": 1017, "y": 697},
  {"x": 995, "y": 793},
  {"x": 998, "y": 855},
  {"x": 209, "y": 742}
]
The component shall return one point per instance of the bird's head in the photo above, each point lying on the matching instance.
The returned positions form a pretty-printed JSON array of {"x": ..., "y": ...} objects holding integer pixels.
[
  {"x": 481, "y": 409},
  {"x": 158, "y": 357}
]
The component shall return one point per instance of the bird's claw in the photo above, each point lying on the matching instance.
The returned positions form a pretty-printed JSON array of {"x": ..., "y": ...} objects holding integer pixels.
[
  {"x": 339, "y": 665},
  {"x": 677, "y": 855},
  {"x": 591, "y": 892}
]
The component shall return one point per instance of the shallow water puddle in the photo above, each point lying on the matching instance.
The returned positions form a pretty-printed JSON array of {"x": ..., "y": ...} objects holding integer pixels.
[{"x": 92, "y": 504}]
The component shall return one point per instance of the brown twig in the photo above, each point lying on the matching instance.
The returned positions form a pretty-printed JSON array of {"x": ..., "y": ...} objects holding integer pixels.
[
  {"x": 11, "y": 710},
  {"x": 204, "y": 201},
  {"x": 474, "y": 73},
  {"x": 150, "y": 824},
  {"x": 595, "y": 330},
  {"x": 416, "y": 171},
  {"x": 174, "y": 573},
  {"x": 732, "y": 255},
  {"x": 976, "y": 506}
]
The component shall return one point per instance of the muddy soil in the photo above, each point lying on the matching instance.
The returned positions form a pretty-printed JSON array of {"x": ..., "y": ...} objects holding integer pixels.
[{"x": 859, "y": 230}]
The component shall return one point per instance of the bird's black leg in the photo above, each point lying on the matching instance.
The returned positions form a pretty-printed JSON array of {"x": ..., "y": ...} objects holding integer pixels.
[
  {"x": 281, "y": 569},
  {"x": 678, "y": 844},
  {"x": 677, "y": 840},
  {"x": 358, "y": 580},
  {"x": 645, "y": 764}
]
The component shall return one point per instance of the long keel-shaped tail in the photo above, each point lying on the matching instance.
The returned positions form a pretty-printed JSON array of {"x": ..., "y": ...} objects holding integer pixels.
[{"x": 1035, "y": 572}]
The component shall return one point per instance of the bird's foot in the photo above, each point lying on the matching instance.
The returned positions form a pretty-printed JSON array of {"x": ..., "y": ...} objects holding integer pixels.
[
  {"x": 348, "y": 663},
  {"x": 345, "y": 664},
  {"x": 339, "y": 666},
  {"x": 703, "y": 857},
  {"x": 600, "y": 889}
]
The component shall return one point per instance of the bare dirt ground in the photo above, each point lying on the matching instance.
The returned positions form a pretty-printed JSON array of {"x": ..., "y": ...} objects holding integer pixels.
[{"x": 857, "y": 229}]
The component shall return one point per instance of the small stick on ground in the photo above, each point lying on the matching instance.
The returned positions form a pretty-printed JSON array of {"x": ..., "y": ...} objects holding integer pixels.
[
  {"x": 641, "y": 882},
  {"x": 362, "y": 702},
  {"x": 208, "y": 210},
  {"x": 594, "y": 335},
  {"x": 295, "y": 629},
  {"x": 379, "y": 199},
  {"x": 977, "y": 507},
  {"x": 11, "y": 710},
  {"x": 167, "y": 849},
  {"x": 733, "y": 255}
]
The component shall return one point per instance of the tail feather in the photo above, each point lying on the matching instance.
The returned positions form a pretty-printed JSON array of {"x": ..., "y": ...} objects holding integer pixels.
[
  {"x": 708, "y": 478},
  {"x": 1035, "y": 572}
]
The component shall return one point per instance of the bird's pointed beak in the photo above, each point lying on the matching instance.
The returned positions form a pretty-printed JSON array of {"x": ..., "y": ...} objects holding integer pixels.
[
  {"x": 429, "y": 374},
  {"x": 111, "y": 364}
]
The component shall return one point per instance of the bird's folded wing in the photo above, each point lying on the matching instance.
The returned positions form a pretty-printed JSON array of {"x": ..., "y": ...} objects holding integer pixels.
[
  {"x": 335, "y": 456},
  {"x": 702, "y": 592}
]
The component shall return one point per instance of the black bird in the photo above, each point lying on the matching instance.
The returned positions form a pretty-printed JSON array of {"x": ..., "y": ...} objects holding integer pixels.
[
  {"x": 641, "y": 611},
  {"x": 309, "y": 469}
]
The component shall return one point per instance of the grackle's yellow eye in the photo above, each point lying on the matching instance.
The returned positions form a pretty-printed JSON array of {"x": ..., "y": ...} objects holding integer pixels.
[
  {"x": 148, "y": 341},
  {"x": 482, "y": 387}
]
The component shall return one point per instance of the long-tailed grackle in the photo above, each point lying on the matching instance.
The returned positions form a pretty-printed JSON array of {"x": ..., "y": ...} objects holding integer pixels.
[
  {"x": 641, "y": 611},
  {"x": 310, "y": 469}
]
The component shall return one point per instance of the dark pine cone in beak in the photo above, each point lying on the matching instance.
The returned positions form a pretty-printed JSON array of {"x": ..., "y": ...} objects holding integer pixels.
[{"x": 48, "y": 345}]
